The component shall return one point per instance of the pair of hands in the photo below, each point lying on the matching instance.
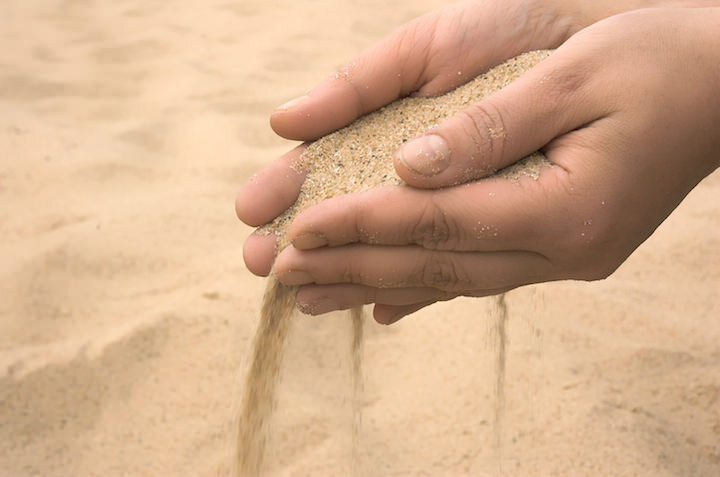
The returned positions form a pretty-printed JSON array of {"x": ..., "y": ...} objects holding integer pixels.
[{"x": 627, "y": 109}]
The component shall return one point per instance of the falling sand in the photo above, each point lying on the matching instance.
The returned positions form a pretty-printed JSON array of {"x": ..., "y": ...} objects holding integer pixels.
[
  {"x": 499, "y": 336},
  {"x": 354, "y": 159}
]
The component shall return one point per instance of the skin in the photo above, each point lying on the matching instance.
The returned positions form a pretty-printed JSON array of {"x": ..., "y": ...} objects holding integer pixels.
[{"x": 627, "y": 108}]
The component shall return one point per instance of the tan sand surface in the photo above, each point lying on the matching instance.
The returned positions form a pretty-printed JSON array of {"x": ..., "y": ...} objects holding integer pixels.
[{"x": 126, "y": 313}]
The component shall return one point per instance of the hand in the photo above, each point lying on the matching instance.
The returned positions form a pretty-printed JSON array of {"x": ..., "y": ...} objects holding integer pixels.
[
  {"x": 627, "y": 110},
  {"x": 421, "y": 58}
]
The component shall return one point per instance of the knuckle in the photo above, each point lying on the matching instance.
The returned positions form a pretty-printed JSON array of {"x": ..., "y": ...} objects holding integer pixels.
[
  {"x": 362, "y": 208},
  {"x": 348, "y": 273},
  {"x": 563, "y": 83},
  {"x": 485, "y": 124},
  {"x": 442, "y": 271},
  {"x": 433, "y": 229},
  {"x": 335, "y": 271},
  {"x": 368, "y": 295}
]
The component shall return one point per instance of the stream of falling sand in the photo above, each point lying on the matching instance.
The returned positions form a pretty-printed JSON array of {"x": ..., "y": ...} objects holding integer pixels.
[
  {"x": 260, "y": 397},
  {"x": 356, "y": 317},
  {"x": 501, "y": 338}
]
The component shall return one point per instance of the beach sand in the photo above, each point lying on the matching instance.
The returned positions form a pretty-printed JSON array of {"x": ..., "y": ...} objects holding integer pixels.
[{"x": 127, "y": 315}]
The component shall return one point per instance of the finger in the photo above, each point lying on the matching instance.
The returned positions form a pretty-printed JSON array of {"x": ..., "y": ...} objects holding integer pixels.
[
  {"x": 259, "y": 253},
  {"x": 389, "y": 314},
  {"x": 399, "y": 267},
  {"x": 379, "y": 75},
  {"x": 319, "y": 299},
  {"x": 556, "y": 96},
  {"x": 488, "y": 215},
  {"x": 272, "y": 190},
  {"x": 430, "y": 55}
]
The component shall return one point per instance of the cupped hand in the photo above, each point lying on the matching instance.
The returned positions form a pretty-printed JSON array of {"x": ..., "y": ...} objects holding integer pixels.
[
  {"x": 627, "y": 110},
  {"x": 428, "y": 56}
]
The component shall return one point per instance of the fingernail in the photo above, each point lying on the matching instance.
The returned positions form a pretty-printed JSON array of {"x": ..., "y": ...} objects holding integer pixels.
[
  {"x": 309, "y": 240},
  {"x": 426, "y": 155},
  {"x": 296, "y": 277},
  {"x": 292, "y": 103}
]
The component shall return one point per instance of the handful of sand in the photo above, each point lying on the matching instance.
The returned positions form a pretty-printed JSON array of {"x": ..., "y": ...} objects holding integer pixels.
[
  {"x": 353, "y": 159},
  {"x": 359, "y": 156}
]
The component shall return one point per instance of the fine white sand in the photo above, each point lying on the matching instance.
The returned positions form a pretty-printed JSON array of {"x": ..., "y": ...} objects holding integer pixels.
[{"x": 126, "y": 313}]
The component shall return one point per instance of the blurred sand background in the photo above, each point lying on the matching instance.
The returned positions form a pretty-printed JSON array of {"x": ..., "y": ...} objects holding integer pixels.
[{"x": 126, "y": 313}]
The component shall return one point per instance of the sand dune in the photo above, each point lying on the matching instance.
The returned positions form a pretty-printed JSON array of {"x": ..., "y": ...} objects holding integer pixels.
[{"x": 126, "y": 312}]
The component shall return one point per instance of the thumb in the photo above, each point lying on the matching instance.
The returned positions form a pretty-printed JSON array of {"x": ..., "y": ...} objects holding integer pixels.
[{"x": 549, "y": 100}]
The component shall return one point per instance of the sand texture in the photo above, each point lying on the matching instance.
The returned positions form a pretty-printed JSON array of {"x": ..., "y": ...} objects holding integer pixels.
[{"x": 127, "y": 315}]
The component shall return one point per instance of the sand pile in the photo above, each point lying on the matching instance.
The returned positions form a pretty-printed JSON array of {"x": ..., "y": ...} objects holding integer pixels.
[{"x": 356, "y": 158}]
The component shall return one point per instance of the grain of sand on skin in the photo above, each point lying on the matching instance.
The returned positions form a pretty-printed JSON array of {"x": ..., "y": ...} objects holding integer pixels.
[{"x": 355, "y": 159}]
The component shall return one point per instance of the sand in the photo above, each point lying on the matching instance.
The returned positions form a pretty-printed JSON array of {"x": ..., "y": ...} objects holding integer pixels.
[
  {"x": 259, "y": 388},
  {"x": 259, "y": 400},
  {"x": 126, "y": 313}
]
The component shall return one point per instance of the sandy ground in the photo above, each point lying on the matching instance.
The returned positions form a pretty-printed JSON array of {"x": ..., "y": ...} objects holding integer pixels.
[{"x": 126, "y": 313}]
